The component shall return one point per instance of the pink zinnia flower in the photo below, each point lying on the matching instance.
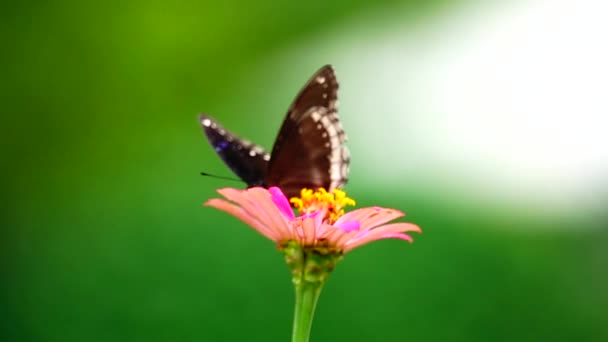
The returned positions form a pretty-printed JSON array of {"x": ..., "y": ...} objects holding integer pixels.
[{"x": 321, "y": 223}]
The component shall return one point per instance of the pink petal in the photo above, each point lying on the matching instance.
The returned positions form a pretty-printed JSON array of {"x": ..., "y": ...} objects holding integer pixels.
[
  {"x": 261, "y": 197},
  {"x": 357, "y": 215},
  {"x": 344, "y": 239},
  {"x": 244, "y": 200},
  {"x": 382, "y": 216},
  {"x": 331, "y": 234},
  {"x": 256, "y": 201},
  {"x": 241, "y": 197},
  {"x": 349, "y": 226},
  {"x": 396, "y": 236},
  {"x": 382, "y": 232},
  {"x": 242, "y": 215},
  {"x": 350, "y": 245},
  {"x": 313, "y": 214},
  {"x": 400, "y": 227},
  {"x": 322, "y": 228},
  {"x": 308, "y": 229},
  {"x": 370, "y": 217},
  {"x": 295, "y": 227},
  {"x": 319, "y": 217},
  {"x": 281, "y": 202}
]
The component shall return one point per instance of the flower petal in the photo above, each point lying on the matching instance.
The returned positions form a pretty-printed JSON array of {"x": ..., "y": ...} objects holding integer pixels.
[
  {"x": 371, "y": 217},
  {"x": 309, "y": 230},
  {"x": 343, "y": 240},
  {"x": 256, "y": 201},
  {"x": 262, "y": 199},
  {"x": 333, "y": 235},
  {"x": 242, "y": 215},
  {"x": 241, "y": 197},
  {"x": 357, "y": 214},
  {"x": 349, "y": 226},
  {"x": 281, "y": 202},
  {"x": 396, "y": 236},
  {"x": 382, "y": 232},
  {"x": 350, "y": 246},
  {"x": 383, "y": 216}
]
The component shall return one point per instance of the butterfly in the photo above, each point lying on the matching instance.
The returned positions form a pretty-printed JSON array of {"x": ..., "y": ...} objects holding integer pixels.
[{"x": 309, "y": 151}]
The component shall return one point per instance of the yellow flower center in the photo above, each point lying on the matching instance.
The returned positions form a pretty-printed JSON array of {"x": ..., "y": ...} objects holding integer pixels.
[{"x": 333, "y": 202}]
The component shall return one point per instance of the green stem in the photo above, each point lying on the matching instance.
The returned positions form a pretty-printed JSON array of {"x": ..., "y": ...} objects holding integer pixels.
[
  {"x": 307, "y": 294},
  {"x": 310, "y": 267}
]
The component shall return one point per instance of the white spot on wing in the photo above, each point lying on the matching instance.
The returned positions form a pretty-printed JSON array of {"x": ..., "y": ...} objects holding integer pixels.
[{"x": 335, "y": 141}]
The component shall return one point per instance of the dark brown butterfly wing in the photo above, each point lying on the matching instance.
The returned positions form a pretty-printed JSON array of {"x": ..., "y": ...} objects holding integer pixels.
[
  {"x": 245, "y": 159},
  {"x": 310, "y": 150}
]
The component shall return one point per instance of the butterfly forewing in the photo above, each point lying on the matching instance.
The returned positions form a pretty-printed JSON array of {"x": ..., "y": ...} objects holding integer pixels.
[
  {"x": 310, "y": 150},
  {"x": 247, "y": 160}
]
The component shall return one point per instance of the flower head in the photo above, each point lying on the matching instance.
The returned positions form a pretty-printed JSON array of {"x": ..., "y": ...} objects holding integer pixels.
[{"x": 321, "y": 223}]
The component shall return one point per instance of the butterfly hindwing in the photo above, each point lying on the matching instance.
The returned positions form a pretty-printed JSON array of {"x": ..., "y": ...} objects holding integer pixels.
[
  {"x": 310, "y": 150},
  {"x": 247, "y": 160}
]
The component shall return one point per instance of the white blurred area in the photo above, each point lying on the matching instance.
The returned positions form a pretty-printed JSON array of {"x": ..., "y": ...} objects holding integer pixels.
[{"x": 507, "y": 103}]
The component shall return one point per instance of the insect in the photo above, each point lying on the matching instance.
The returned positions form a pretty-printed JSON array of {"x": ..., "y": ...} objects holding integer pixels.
[{"x": 309, "y": 151}]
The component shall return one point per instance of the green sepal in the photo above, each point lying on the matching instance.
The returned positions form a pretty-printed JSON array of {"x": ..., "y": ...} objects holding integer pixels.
[{"x": 309, "y": 264}]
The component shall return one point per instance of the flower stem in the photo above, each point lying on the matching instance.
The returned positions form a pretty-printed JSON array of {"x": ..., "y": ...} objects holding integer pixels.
[
  {"x": 307, "y": 294},
  {"x": 310, "y": 267}
]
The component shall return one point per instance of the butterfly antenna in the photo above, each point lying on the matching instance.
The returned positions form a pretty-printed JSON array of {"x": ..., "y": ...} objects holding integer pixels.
[{"x": 219, "y": 177}]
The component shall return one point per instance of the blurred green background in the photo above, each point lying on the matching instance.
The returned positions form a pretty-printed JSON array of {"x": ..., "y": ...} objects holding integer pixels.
[{"x": 104, "y": 237}]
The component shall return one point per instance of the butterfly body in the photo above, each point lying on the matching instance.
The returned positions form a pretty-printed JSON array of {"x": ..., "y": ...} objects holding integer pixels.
[{"x": 309, "y": 151}]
